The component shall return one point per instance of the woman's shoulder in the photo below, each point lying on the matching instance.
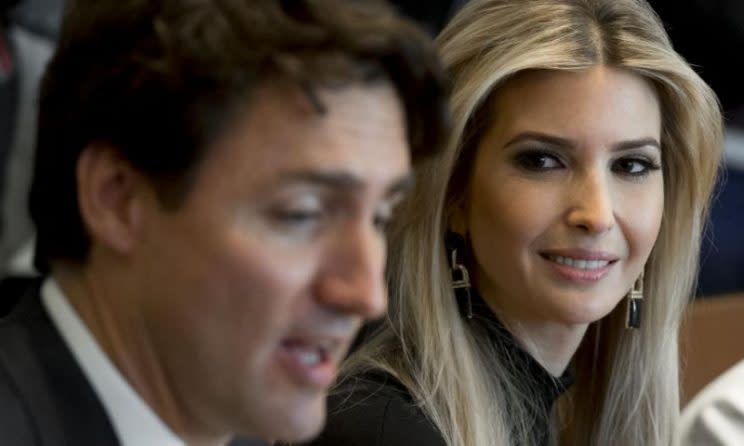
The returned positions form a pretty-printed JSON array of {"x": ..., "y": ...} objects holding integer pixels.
[{"x": 375, "y": 409}]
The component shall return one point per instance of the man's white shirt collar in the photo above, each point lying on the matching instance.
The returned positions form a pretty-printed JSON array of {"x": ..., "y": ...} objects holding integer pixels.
[{"x": 134, "y": 422}]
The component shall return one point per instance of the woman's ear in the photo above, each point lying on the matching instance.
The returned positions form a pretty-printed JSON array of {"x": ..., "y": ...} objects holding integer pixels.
[
  {"x": 108, "y": 188},
  {"x": 457, "y": 219}
]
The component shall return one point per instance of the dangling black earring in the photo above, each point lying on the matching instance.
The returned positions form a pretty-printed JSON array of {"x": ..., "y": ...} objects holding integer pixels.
[
  {"x": 456, "y": 248},
  {"x": 635, "y": 305}
]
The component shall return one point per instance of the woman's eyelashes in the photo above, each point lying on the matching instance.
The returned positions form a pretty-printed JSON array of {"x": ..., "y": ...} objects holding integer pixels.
[
  {"x": 542, "y": 160},
  {"x": 635, "y": 166},
  {"x": 537, "y": 160}
]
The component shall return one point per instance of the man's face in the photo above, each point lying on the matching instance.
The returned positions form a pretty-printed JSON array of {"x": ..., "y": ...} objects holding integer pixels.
[{"x": 252, "y": 291}]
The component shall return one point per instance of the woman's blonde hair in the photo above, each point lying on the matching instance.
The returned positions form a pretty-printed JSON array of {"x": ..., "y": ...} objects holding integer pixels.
[{"x": 626, "y": 388}]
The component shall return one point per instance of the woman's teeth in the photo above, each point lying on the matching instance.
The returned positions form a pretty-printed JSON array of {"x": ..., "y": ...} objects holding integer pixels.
[{"x": 579, "y": 263}]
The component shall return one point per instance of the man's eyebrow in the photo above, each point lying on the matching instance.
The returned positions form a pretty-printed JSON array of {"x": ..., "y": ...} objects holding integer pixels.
[
  {"x": 401, "y": 185},
  {"x": 569, "y": 144},
  {"x": 329, "y": 180},
  {"x": 345, "y": 181}
]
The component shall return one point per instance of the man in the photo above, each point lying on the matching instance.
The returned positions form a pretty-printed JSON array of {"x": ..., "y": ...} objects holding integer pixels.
[
  {"x": 211, "y": 187},
  {"x": 714, "y": 417}
]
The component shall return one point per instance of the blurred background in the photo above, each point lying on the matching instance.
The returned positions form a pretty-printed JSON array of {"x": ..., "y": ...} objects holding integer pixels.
[{"x": 708, "y": 33}]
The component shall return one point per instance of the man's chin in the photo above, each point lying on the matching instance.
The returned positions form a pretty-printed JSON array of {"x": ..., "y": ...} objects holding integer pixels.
[{"x": 300, "y": 423}]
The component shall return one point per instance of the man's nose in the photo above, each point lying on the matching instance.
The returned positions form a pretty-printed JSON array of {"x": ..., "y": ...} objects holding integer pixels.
[{"x": 352, "y": 281}]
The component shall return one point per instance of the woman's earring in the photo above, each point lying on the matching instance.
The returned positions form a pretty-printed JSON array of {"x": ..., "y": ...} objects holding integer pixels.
[
  {"x": 460, "y": 276},
  {"x": 635, "y": 305}
]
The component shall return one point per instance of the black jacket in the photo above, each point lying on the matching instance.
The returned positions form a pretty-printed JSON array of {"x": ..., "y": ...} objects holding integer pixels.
[
  {"x": 376, "y": 410},
  {"x": 45, "y": 399}
]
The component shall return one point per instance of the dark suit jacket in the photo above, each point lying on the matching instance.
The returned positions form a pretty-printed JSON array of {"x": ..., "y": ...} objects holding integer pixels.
[
  {"x": 376, "y": 410},
  {"x": 45, "y": 399}
]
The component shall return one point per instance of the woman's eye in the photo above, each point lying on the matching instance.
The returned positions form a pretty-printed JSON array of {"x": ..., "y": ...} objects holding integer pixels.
[
  {"x": 538, "y": 161},
  {"x": 634, "y": 166}
]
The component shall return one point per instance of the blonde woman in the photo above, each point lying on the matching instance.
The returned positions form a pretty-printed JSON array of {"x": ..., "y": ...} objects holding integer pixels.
[{"x": 540, "y": 271}]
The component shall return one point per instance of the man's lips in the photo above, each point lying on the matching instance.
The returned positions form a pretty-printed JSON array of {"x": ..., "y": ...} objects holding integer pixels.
[
  {"x": 312, "y": 359},
  {"x": 312, "y": 350}
]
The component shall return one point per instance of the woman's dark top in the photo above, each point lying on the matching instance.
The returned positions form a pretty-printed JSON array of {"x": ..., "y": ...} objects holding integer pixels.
[{"x": 376, "y": 410}]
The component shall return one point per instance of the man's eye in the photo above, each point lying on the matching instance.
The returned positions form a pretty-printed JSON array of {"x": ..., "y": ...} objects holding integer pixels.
[
  {"x": 296, "y": 217},
  {"x": 536, "y": 161},
  {"x": 386, "y": 213},
  {"x": 299, "y": 211},
  {"x": 635, "y": 167},
  {"x": 382, "y": 223}
]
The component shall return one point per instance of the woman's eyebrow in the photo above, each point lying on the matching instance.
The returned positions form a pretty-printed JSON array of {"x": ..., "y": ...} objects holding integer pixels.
[{"x": 568, "y": 143}]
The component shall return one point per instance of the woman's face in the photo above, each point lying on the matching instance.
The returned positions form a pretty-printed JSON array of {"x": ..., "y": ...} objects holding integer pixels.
[{"x": 566, "y": 194}]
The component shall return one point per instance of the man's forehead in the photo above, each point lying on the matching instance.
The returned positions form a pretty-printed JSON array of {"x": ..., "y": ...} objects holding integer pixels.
[
  {"x": 362, "y": 132},
  {"x": 323, "y": 105}
]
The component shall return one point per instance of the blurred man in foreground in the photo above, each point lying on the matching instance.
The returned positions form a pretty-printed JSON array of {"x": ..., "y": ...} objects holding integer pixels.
[{"x": 211, "y": 188}]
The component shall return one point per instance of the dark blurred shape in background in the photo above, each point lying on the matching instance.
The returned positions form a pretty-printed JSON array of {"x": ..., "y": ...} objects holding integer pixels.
[
  {"x": 432, "y": 14},
  {"x": 41, "y": 17},
  {"x": 28, "y": 29},
  {"x": 710, "y": 35}
]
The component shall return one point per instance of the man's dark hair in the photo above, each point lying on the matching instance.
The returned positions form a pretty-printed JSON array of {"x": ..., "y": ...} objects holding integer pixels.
[{"x": 159, "y": 80}]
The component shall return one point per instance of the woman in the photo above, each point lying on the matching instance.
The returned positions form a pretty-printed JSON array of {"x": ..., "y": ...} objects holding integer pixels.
[{"x": 578, "y": 177}]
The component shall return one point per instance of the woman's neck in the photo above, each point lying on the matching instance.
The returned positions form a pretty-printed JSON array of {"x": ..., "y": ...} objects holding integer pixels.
[{"x": 551, "y": 344}]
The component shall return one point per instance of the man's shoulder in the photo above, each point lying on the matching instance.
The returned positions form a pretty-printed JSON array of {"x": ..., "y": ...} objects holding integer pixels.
[
  {"x": 15, "y": 291},
  {"x": 716, "y": 414},
  {"x": 19, "y": 306},
  {"x": 16, "y": 423},
  {"x": 20, "y": 323},
  {"x": 45, "y": 398},
  {"x": 376, "y": 409},
  {"x": 16, "y": 420}
]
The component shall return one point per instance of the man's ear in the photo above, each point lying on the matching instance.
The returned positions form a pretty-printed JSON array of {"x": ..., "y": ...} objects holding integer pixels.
[{"x": 108, "y": 196}]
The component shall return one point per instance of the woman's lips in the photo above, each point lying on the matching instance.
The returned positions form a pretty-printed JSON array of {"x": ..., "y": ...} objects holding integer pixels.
[{"x": 580, "y": 265}]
